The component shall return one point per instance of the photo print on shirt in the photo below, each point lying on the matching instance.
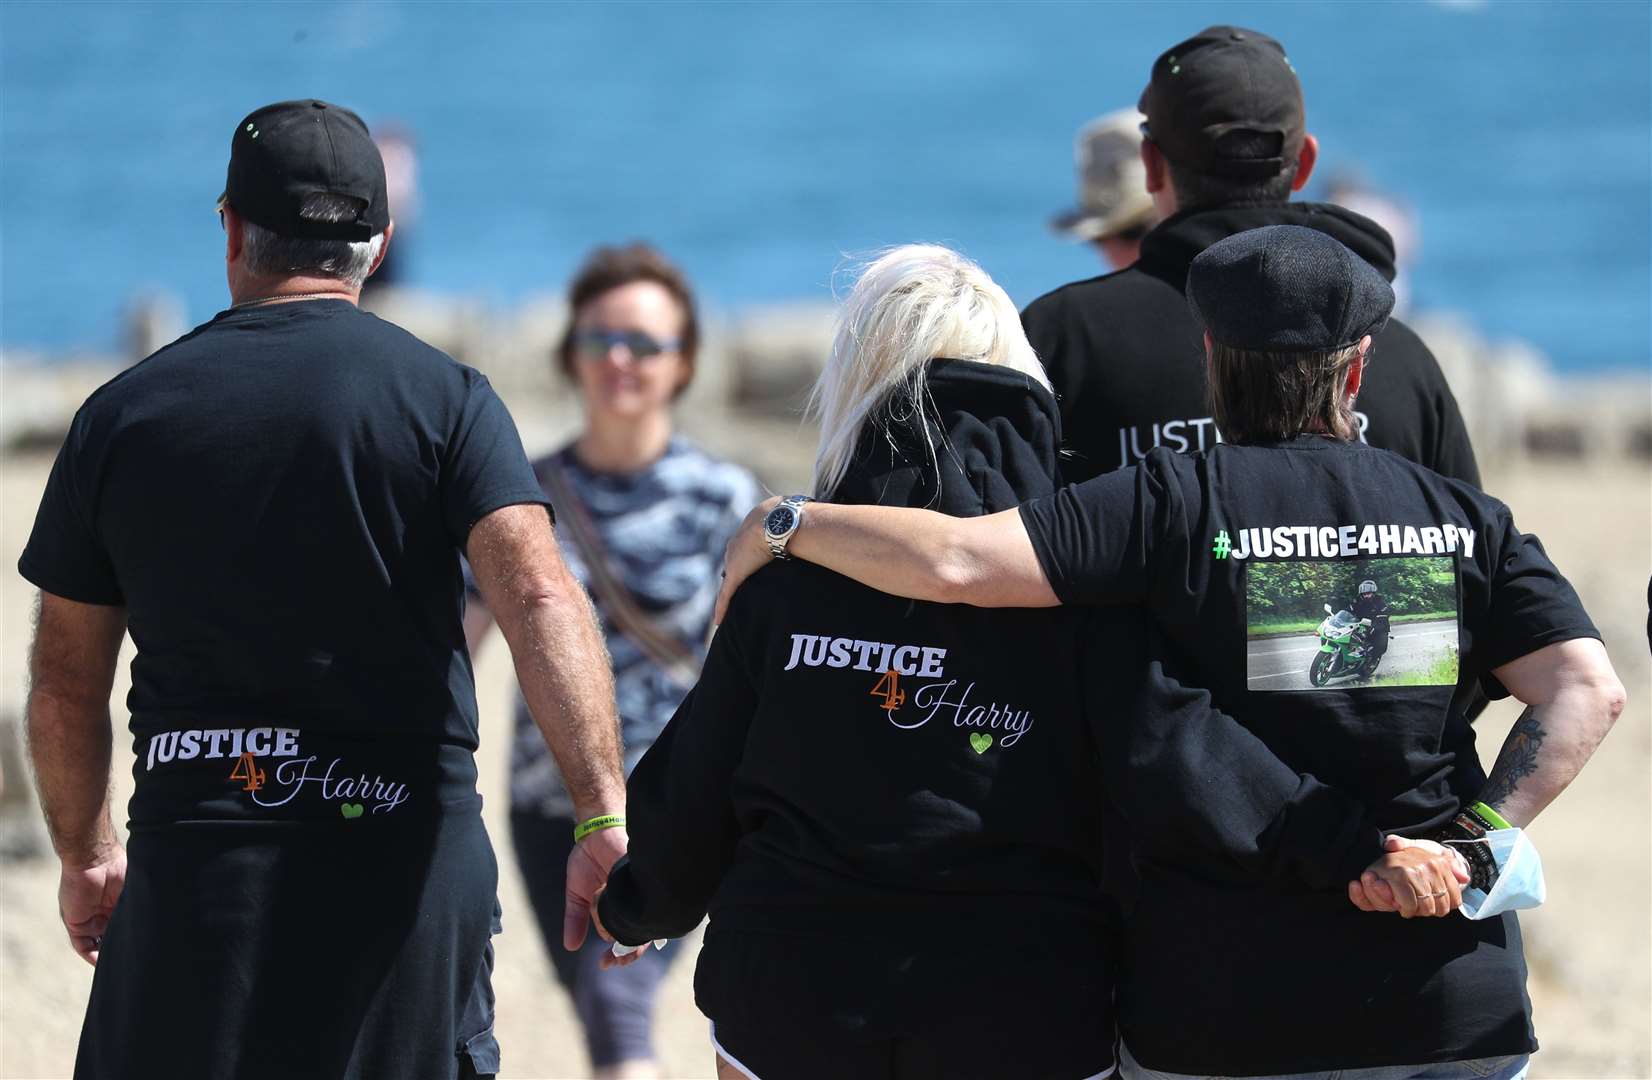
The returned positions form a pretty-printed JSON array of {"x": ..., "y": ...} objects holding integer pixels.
[{"x": 1308, "y": 627}]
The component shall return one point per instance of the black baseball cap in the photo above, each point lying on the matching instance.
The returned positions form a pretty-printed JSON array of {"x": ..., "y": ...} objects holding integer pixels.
[
  {"x": 284, "y": 152},
  {"x": 1222, "y": 80},
  {"x": 1285, "y": 288}
]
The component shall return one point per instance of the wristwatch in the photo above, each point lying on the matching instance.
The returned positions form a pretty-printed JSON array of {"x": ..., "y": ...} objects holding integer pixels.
[
  {"x": 782, "y": 522},
  {"x": 1467, "y": 833}
]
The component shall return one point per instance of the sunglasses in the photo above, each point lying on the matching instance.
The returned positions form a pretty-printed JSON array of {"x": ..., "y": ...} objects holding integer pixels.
[{"x": 594, "y": 345}]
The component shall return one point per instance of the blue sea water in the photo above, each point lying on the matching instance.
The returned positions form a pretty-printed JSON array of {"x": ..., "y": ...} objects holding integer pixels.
[{"x": 759, "y": 143}]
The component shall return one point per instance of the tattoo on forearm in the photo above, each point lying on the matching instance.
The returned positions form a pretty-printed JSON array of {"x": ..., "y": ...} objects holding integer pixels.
[{"x": 1516, "y": 761}]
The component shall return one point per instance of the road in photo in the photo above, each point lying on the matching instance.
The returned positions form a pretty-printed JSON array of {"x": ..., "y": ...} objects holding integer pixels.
[
  {"x": 1351, "y": 623},
  {"x": 1281, "y": 663}
]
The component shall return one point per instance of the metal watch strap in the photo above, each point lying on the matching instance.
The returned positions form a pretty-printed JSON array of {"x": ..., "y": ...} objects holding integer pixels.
[{"x": 777, "y": 548}]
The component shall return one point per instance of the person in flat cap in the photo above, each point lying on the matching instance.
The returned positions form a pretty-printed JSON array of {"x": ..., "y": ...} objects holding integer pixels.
[
  {"x": 1280, "y": 819},
  {"x": 275, "y": 506},
  {"x": 1114, "y": 209},
  {"x": 1224, "y": 146},
  {"x": 1284, "y": 308}
]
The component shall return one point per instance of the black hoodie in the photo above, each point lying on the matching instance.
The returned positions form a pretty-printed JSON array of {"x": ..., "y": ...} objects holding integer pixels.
[
  {"x": 1127, "y": 358},
  {"x": 921, "y": 842}
]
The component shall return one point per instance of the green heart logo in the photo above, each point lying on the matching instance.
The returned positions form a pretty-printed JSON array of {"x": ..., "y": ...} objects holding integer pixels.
[
  {"x": 353, "y": 810},
  {"x": 980, "y": 742}
]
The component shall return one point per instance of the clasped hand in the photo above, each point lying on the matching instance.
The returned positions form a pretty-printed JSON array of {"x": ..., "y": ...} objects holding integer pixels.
[
  {"x": 1416, "y": 878},
  {"x": 588, "y": 867}
]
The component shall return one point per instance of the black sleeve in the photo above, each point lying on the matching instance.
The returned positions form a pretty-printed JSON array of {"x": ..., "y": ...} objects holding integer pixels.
[
  {"x": 1197, "y": 785},
  {"x": 1530, "y": 604},
  {"x": 1050, "y": 332},
  {"x": 678, "y": 807},
  {"x": 1442, "y": 443},
  {"x": 485, "y": 467},
  {"x": 1096, "y": 540},
  {"x": 65, "y": 556},
  {"x": 1453, "y": 455}
]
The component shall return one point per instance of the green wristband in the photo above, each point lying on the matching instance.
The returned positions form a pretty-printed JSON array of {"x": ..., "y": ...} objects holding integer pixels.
[
  {"x": 1492, "y": 817},
  {"x": 597, "y": 824}
]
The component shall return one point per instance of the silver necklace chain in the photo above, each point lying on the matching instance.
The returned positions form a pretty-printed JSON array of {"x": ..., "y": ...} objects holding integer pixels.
[{"x": 292, "y": 296}]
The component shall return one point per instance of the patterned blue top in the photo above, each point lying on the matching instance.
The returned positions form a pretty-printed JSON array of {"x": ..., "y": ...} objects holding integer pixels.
[{"x": 664, "y": 528}]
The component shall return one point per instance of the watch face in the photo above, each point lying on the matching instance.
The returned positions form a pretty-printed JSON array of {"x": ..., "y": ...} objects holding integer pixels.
[{"x": 780, "y": 521}]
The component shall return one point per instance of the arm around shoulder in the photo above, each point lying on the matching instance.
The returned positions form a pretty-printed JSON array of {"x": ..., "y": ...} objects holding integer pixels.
[{"x": 985, "y": 561}]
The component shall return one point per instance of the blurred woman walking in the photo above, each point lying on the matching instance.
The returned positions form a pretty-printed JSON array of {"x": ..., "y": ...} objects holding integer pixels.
[{"x": 642, "y": 516}]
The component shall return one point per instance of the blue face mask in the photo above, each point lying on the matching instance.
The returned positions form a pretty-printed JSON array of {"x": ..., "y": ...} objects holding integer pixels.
[{"x": 1519, "y": 883}]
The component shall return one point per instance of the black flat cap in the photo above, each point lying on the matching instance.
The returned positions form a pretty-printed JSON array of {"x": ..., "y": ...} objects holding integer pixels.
[
  {"x": 1284, "y": 288},
  {"x": 284, "y": 152}
]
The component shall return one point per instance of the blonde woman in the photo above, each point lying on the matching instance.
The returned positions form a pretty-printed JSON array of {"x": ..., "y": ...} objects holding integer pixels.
[{"x": 890, "y": 809}]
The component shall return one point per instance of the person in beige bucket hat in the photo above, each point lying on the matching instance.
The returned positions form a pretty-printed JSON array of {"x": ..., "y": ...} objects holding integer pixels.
[{"x": 1114, "y": 209}]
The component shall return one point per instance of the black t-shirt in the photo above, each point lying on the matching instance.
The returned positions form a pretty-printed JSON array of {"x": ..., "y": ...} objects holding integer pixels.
[
  {"x": 1235, "y": 553},
  {"x": 279, "y": 500},
  {"x": 1127, "y": 357}
]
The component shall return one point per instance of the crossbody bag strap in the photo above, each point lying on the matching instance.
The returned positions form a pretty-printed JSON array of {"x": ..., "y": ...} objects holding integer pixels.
[{"x": 664, "y": 649}]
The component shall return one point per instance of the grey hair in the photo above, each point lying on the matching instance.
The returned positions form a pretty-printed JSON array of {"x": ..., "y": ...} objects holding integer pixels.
[{"x": 269, "y": 254}]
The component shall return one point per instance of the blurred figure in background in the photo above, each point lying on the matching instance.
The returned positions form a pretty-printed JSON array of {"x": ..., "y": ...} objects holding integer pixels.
[
  {"x": 1353, "y": 192},
  {"x": 644, "y": 515},
  {"x": 1114, "y": 209},
  {"x": 401, "y": 181}
]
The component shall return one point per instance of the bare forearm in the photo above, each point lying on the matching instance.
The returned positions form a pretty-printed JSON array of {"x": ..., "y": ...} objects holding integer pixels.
[
  {"x": 900, "y": 551},
  {"x": 567, "y": 681},
  {"x": 1574, "y": 698},
  {"x": 985, "y": 561},
  {"x": 70, "y": 740},
  {"x": 1544, "y": 752}
]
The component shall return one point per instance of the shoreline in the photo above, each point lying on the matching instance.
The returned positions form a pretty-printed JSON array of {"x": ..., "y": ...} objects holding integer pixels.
[{"x": 760, "y": 361}]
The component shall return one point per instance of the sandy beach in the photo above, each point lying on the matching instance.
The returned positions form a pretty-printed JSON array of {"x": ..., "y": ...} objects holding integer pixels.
[{"x": 1589, "y": 947}]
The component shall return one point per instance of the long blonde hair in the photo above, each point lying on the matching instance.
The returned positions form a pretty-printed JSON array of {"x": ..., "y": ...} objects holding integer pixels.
[{"x": 910, "y": 305}]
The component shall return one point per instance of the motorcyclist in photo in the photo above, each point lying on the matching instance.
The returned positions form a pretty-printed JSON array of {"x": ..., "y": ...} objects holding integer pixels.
[{"x": 1371, "y": 605}]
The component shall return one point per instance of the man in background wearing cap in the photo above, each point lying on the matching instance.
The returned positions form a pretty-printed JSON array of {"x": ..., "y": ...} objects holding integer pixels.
[
  {"x": 275, "y": 506},
  {"x": 1275, "y": 833},
  {"x": 1226, "y": 145},
  {"x": 1114, "y": 209}
]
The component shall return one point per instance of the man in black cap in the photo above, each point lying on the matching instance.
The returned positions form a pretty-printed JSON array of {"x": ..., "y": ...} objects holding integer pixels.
[
  {"x": 1226, "y": 145},
  {"x": 275, "y": 507},
  {"x": 1273, "y": 824}
]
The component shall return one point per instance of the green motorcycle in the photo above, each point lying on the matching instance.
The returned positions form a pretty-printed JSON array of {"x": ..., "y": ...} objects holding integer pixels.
[{"x": 1344, "y": 648}]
